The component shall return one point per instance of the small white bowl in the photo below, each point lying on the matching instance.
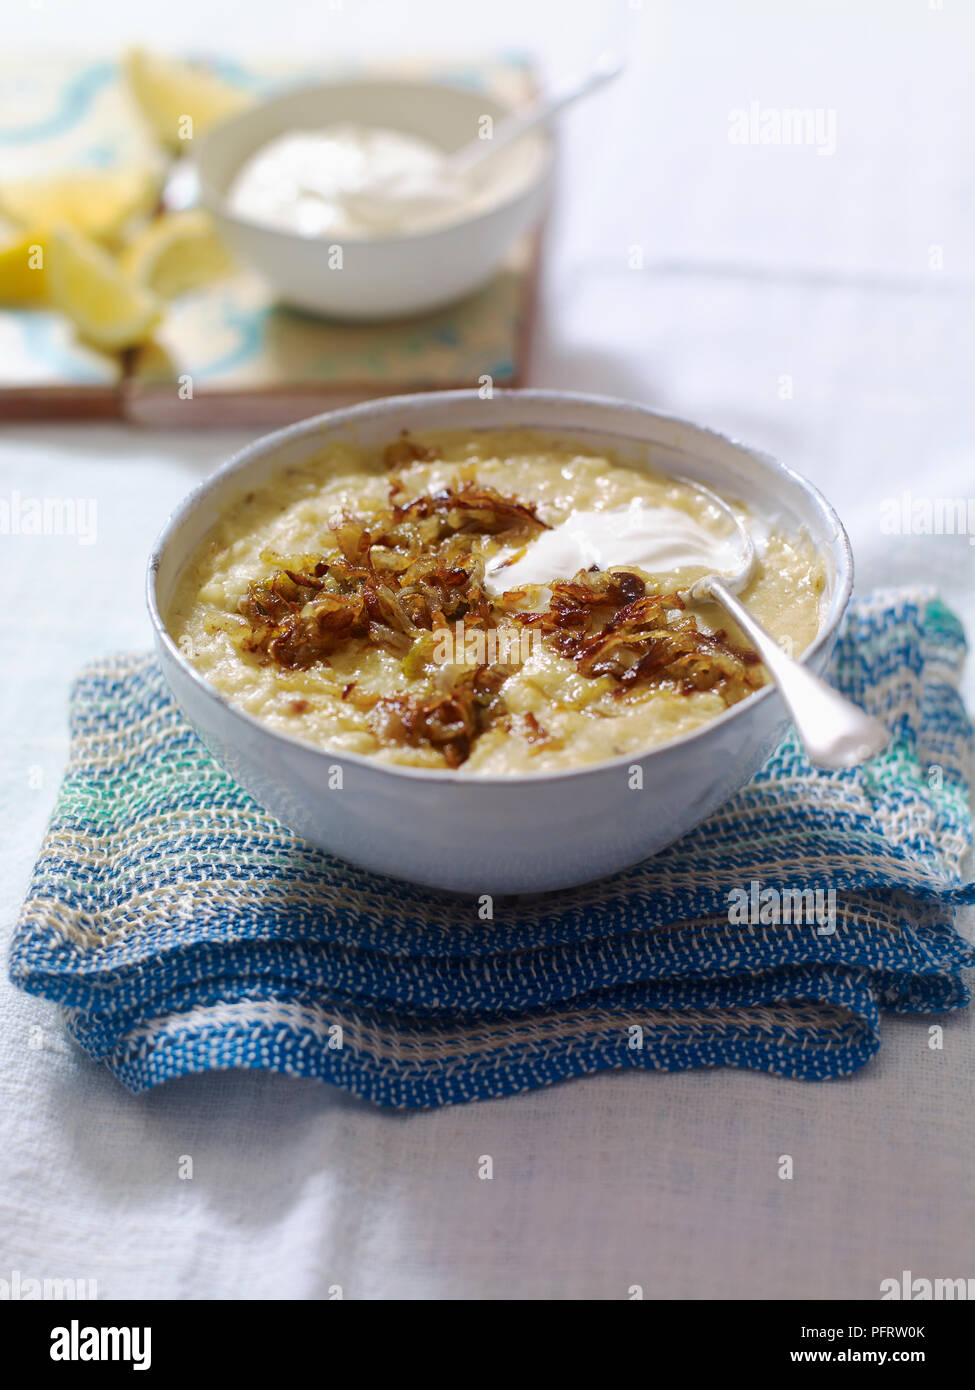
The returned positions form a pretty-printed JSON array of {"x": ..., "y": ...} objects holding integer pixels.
[
  {"x": 383, "y": 277},
  {"x": 480, "y": 834}
]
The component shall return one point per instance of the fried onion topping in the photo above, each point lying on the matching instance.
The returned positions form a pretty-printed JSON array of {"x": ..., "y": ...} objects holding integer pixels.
[
  {"x": 417, "y": 567},
  {"x": 607, "y": 623}
]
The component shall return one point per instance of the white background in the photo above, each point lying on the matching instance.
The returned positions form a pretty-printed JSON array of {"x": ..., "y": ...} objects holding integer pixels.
[{"x": 760, "y": 264}]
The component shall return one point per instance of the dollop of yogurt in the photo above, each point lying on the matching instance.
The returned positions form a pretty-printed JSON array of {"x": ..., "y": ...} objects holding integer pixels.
[
  {"x": 654, "y": 538},
  {"x": 330, "y": 182}
]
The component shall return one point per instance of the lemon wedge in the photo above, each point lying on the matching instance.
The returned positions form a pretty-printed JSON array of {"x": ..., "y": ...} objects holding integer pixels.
[
  {"x": 23, "y": 276},
  {"x": 180, "y": 102},
  {"x": 177, "y": 252},
  {"x": 89, "y": 287},
  {"x": 100, "y": 203}
]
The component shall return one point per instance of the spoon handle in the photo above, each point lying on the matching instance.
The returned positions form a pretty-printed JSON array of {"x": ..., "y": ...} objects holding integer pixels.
[
  {"x": 513, "y": 127},
  {"x": 835, "y": 732}
]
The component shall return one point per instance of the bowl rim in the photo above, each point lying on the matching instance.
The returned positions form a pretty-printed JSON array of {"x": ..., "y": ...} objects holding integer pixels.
[
  {"x": 268, "y": 443},
  {"x": 216, "y": 202}
]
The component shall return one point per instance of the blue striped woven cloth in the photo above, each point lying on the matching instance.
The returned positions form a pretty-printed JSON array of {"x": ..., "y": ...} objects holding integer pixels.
[{"x": 182, "y": 929}]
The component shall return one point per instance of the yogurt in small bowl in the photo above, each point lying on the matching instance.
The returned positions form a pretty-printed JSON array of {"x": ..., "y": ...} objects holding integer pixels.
[
  {"x": 288, "y": 182},
  {"x": 320, "y": 183}
]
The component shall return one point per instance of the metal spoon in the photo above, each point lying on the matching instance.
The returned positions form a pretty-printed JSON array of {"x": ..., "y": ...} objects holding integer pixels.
[
  {"x": 376, "y": 200},
  {"x": 835, "y": 732},
  {"x": 606, "y": 67}
]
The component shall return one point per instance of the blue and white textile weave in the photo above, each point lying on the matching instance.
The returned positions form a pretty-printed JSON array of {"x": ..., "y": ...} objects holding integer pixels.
[{"x": 184, "y": 930}]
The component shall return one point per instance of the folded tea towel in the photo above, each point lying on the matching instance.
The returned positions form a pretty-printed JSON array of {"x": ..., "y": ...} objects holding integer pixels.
[{"x": 183, "y": 929}]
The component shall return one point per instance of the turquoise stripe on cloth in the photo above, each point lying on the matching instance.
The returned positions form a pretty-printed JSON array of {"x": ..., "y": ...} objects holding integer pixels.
[{"x": 182, "y": 929}]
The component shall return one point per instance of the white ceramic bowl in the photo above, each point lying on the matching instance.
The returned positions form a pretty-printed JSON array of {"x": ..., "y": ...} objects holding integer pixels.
[
  {"x": 384, "y": 277},
  {"x": 499, "y": 834}
]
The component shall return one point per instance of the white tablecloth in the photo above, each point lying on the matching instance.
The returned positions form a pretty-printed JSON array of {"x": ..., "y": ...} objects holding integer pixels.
[{"x": 817, "y": 304}]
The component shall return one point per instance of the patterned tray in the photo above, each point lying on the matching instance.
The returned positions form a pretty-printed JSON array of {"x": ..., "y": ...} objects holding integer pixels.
[{"x": 251, "y": 363}]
